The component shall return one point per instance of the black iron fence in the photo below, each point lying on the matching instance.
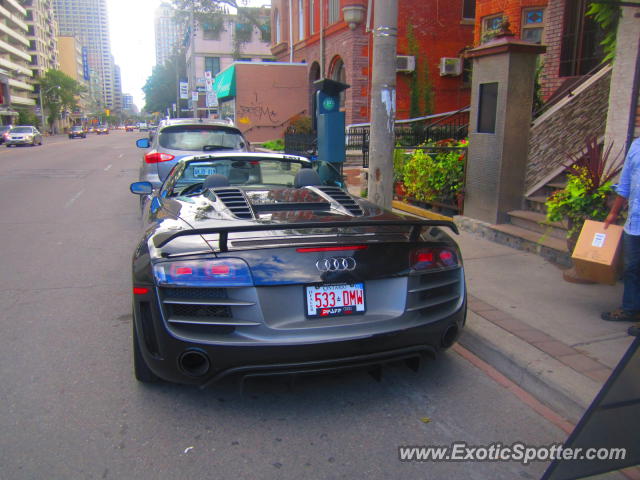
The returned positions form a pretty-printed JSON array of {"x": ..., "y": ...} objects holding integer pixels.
[{"x": 414, "y": 132}]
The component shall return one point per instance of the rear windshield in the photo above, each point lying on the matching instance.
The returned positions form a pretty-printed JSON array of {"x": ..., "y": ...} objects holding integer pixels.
[
  {"x": 75, "y": 129},
  {"x": 21, "y": 130},
  {"x": 200, "y": 138}
]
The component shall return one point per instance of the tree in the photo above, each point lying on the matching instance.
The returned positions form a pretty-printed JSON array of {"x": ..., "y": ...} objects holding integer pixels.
[
  {"x": 161, "y": 88},
  {"x": 59, "y": 93}
]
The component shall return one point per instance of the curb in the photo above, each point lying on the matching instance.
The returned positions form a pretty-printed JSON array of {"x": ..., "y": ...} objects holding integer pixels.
[{"x": 560, "y": 387}]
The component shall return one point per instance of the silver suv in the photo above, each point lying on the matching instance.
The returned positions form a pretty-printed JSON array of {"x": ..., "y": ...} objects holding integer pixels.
[{"x": 183, "y": 137}]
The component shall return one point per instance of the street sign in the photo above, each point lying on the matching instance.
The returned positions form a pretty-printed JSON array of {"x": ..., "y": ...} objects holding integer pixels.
[
  {"x": 212, "y": 99},
  {"x": 184, "y": 91},
  {"x": 194, "y": 96}
]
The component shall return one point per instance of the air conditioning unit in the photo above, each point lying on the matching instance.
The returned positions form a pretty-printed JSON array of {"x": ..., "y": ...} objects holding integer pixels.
[
  {"x": 450, "y": 66},
  {"x": 405, "y": 63}
]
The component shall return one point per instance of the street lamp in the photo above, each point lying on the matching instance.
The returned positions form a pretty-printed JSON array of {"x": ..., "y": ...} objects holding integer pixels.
[{"x": 42, "y": 104}]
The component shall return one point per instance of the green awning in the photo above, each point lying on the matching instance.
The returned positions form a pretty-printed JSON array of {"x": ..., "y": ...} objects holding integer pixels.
[{"x": 225, "y": 83}]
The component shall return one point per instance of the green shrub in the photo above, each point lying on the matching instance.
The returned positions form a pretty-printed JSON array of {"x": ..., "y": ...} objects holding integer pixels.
[
  {"x": 277, "y": 145},
  {"x": 436, "y": 175}
]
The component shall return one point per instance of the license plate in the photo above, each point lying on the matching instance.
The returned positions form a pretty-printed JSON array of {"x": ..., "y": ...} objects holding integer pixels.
[
  {"x": 334, "y": 300},
  {"x": 203, "y": 171}
]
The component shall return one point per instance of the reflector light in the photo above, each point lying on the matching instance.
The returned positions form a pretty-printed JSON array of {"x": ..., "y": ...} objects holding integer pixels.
[
  {"x": 331, "y": 249},
  {"x": 219, "y": 272},
  {"x": 157, "y": 157},
  {"x": 140, "y": 290},
  {"x": 425, "y": 257}
]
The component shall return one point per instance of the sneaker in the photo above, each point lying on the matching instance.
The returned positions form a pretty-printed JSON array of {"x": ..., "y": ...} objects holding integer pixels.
[{"x": 620, "y": 315}]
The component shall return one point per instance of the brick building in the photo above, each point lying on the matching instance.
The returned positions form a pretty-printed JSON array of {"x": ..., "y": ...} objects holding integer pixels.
[
  {"x": 571, "y": 37},
  {"x": 315, "y": 32}
]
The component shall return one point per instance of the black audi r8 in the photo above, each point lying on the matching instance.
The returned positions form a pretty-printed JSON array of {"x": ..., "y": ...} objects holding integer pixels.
[{"x": 260, "y": 264}]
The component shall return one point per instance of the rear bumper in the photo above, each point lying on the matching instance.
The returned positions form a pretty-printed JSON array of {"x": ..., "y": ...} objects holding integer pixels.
[{"x": 162, "y": 351}]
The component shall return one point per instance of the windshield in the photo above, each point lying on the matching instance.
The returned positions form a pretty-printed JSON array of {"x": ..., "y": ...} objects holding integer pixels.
[
  {"x": 197, "y": 137},
  {"x": 76, "y": 129},
  {"x": 22, "y": 130},
  {"x": 238, "y": 171}
]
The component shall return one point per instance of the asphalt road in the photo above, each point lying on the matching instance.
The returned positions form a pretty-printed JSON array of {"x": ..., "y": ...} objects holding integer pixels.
[{"x": 70, "y": 408}]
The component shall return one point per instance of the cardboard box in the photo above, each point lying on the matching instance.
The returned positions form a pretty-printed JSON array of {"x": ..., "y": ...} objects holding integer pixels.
[{"x": 598, "y": 253}]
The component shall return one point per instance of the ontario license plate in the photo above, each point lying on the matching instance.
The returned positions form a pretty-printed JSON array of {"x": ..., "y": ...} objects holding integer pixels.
[
  {"x": 334, "y": 300},
  {"x": 203, "y": 171}
]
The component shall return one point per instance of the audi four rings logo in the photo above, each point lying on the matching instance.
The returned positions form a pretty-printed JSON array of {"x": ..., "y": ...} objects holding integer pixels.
[{"x": 336, "y": 264}]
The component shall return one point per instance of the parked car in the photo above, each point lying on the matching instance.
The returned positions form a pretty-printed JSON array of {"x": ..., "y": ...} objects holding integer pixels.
[
  {"x": 250, "y": 265},
  {"x": 77, "y": 131},
  {"x": 129, "y": 128},
  {"x": 23, "y": 135},
  {"x": 4, "y": 132},
  {"x": 178, "y": 138},
  {"x": 100, "y": 129}
]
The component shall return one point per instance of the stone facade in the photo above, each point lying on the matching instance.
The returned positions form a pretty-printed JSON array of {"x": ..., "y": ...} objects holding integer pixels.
[{"x": 561, "y": 133}]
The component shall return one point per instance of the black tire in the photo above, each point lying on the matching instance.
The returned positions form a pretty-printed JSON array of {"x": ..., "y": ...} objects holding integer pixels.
[
  {"x": 8, "y": 146},
  {"x": 141, "y": 370}
]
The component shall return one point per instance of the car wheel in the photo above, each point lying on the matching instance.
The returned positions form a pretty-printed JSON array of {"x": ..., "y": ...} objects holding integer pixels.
[
  {"x": 8, "y": 146},
  {"x": 141, "y": 370}
]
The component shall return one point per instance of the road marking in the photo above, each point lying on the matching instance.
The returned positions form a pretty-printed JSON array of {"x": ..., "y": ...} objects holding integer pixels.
[
  {"x": 107, "y": 168},
  {"x": 121, "y": 155},
  {"x": 73, "y": 199}
]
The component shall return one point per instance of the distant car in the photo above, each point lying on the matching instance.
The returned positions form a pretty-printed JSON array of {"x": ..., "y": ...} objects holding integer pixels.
[
  {"x": 23, "y": 135},
  {"x": 100, "y": 129},
  {"x": 4, "y": 132},
  {"x": 143, "y": 127},
  {"x": 77, "y": 131},
  {"x": 179, "y": 138},
  {"x": 251, "y": 265},
  {"x": 129, "y": 128}
]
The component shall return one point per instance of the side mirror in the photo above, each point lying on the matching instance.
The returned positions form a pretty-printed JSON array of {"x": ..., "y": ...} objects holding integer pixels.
[
  {"x": 143, "y": 143},
  {"x": 141, "y": 188}
]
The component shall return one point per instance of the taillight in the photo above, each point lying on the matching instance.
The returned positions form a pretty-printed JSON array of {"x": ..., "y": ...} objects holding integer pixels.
[
  {"x": 221, "y": 272},
  {"x": 140, "y": 290},
  {"x": 434, "y": 258},
  {"x": 158, "y": 157}
]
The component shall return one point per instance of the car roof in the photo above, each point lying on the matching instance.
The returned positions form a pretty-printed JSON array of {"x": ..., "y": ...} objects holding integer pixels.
[
  {"x": 244, "y": 155},
  {"x": 196, "y": 121}
]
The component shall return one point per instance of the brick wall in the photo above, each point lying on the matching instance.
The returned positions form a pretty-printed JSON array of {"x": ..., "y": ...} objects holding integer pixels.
[
  {"x": 552, "y": 141},
  {"x": 440, "y": 32}
]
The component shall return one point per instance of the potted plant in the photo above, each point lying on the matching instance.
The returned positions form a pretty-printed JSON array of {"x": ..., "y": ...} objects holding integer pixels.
[{"x": 587, "y": 193}]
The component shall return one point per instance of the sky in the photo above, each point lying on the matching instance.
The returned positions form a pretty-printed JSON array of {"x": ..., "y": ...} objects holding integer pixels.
[{"x": 132, "y": 43}]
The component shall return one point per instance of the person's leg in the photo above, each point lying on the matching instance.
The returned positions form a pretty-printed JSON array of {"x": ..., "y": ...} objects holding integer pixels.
[{"x": 631, "y": 276}]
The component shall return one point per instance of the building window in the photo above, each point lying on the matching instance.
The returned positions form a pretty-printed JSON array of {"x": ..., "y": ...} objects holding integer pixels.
[
  {"x": 334, "y": 11},
  {"x": 212, "y": 64},
  {"x": 339, "y": 74},
  {"x": 469, "y": 9},
  {"x": 491, "y": 26},
  {"x": 532, "y": 25},
  {"x": 300, "y": 19},
  {"x": 276, "y": 21},
  {"x": 312, "y": 16},
  {"x": 580, "y": 50}
]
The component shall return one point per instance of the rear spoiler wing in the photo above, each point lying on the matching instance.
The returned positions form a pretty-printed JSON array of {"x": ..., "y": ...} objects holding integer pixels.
[{"x": 161, "y": 239}]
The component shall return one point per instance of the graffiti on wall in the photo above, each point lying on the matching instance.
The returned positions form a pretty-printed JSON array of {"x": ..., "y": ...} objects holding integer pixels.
[{"x": 256, "y": 111}]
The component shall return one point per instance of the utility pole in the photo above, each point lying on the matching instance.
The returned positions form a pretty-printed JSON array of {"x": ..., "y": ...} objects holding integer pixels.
[{"x": 383, "y": 103}]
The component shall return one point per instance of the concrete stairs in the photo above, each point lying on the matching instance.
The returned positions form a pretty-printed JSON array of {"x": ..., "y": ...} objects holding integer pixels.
[{"x": 528, "y": 228}]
